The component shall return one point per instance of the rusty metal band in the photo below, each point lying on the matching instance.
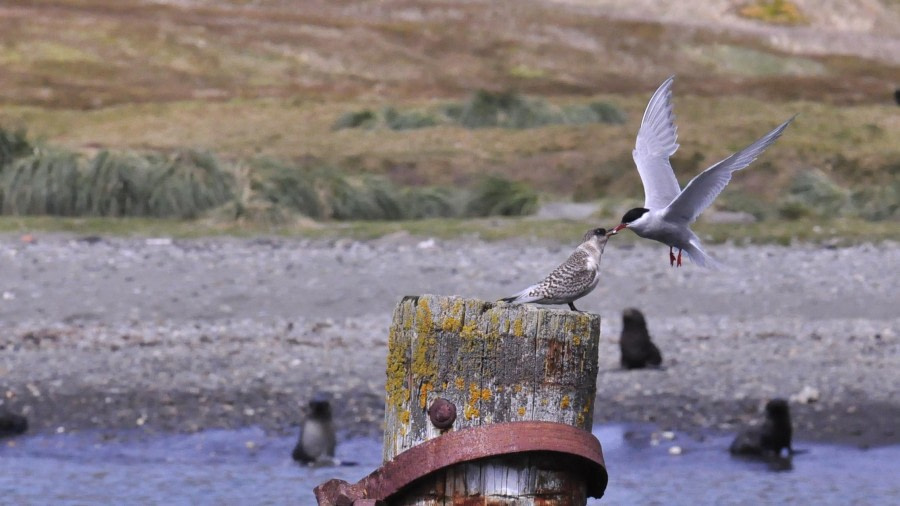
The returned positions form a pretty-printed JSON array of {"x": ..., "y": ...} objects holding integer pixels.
[{"x": 467, "y": 445}]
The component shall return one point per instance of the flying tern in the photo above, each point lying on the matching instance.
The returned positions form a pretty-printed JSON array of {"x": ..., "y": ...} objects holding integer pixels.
[{"x": 668, "y": 209}]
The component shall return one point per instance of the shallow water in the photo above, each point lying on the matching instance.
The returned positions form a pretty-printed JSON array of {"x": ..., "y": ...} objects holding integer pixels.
[{"x": 249, "y": 467}]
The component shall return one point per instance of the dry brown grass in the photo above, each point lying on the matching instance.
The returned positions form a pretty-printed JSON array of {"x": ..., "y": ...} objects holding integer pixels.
[
  {"x": 94, "y": 53},
  {"x": 270, "y": 78}
]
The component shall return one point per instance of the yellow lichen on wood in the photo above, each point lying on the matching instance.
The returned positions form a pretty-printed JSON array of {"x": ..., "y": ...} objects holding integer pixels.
[
  {"x": 395, "y": 383},
  {"x": 453, "y": 322},
  {"x": 469, "y": 331},
  {"x": 521, "y": 411},
  {"x": 584, "y": 322},
  {"x": 474, "y": 393},
  {"x": 471, "y": 412},
  {"x": 582, "y": 327},
  {"x": 579, "y": 419},
  {"x": 485, "y": 394},
  {"x": 424, "y": 322},
  {"x": 403, "y": 416},
  {"x": 423, "y": 393},
  {"x": 565, "y": 403},
  {"x": 518, "y": 331},
  {"x": 423, "y": 366},
  {"x": 460, "y": 383}
]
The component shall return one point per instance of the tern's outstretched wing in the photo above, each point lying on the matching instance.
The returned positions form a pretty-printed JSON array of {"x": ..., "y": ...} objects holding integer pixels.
[
  {"x": 706, "y": 186},
  {"x": 655, "y": 144}
]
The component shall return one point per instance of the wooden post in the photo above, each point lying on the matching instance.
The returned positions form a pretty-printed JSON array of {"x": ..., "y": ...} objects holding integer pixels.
[{"x": 496, "y": 363}]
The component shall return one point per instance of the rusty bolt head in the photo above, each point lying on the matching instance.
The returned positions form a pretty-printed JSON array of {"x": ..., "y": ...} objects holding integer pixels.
[{"x": 442, "y": 413}]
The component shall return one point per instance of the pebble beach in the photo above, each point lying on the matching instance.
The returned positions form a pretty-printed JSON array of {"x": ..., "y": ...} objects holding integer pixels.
[{"x": 162, "y": 334}]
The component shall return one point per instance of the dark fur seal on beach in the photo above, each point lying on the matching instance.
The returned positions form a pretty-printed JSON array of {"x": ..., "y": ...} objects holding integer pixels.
[
  {"x": 638, "y": 350},
  {"x": 12, "y": 424},
  {"x": 769, "y": 438},
  {"x": 317, "y": 437}
]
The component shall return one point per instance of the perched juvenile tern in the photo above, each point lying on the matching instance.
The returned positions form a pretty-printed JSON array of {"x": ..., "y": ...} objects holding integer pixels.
[
  {"x": 668, "y": 210},
  {"x": 572, "y": 280}
]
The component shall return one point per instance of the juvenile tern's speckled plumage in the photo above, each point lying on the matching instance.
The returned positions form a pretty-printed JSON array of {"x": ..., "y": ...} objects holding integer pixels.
[
  {"x": 668, "y": 209},
  {"x": 572, "y": 280}
]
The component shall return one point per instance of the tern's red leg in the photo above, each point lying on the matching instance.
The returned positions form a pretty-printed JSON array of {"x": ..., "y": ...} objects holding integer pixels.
[
  {"x": 671, "y": 257},
  {"x": 679, "y": 258}
]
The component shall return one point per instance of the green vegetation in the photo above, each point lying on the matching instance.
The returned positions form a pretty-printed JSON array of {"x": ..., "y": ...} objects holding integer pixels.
[
  {"x": 188, "y": 184},
  {"x": 13, "y": 145},
  {"x": 485, "y": 109},
  {"x": 272, "y": 104},
  {"x": 358, "y": 119},
  {"x": 55, "y": 182},
  {"x": 780, "y": 12},
  {"x": 834, "y": 232},
  {"x": 816, "y": 195},
  {"x": 496, "y": 196}
]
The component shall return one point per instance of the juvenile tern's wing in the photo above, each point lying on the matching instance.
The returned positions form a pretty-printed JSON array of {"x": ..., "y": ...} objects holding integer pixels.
[
  {"x": 706, "y": 186},
  {"x": 655, "y": 144}
]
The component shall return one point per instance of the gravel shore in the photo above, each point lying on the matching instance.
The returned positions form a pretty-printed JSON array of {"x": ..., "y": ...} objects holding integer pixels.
[{"x": 162, "y": 334}]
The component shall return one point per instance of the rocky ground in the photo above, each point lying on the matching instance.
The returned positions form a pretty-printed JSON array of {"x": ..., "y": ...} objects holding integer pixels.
[{"x": 164, "y": 334}]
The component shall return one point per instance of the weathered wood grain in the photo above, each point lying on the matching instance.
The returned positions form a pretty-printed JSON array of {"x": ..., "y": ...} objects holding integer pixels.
[{"x": 497, "y": 363}]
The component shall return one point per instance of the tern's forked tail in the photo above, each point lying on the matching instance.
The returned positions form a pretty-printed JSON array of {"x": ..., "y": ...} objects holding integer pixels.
[{"x": 700, "y": 257}]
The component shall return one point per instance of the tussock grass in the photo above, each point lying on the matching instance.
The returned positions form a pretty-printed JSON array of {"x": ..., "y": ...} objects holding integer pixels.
[
  {"x": 188, "y": 184},
  {"x": 434, "y": 202},
  {"x": 355, "y": 119},
  {"x": 13, "y": 145},
  {"x": 496, "y": 196},
  {"x": 878, "y": 203},
  {"x": 284, "y": 186},
  {"x": 43, "y": 183},
  {"x": 486, "y": 109},
  {"x": 114, "y": 185},
  {"x": 56, "y": 182},
  {"x": 812, "y": 193},
  {"x": 409, "y": 120}
]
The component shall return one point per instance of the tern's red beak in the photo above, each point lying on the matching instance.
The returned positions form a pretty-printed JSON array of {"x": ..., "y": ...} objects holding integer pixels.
[{"x": 620, "y": 226}]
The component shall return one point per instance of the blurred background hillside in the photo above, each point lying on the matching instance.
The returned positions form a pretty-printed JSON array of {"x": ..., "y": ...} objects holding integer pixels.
[{"x": 282, "y": 112}]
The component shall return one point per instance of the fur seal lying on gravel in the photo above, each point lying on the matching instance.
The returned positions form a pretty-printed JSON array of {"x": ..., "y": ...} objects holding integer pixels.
[{"x": 638, "y": 351}]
